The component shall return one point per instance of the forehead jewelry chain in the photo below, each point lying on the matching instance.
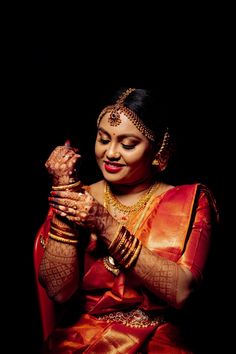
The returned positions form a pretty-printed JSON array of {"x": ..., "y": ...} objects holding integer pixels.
[{"x": 119, "y": 107}]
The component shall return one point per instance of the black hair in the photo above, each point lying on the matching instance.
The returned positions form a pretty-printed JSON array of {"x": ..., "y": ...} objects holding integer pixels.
[{"x": 148, "y": 107}]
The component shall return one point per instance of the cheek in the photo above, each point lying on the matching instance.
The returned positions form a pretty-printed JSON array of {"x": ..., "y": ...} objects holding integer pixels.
[
  {"x": 98, "y": 151},
  {"x": 138, "y": 157}
]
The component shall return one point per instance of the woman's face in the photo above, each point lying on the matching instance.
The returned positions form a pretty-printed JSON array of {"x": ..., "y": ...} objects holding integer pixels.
[{"x": 123, "y": 153}]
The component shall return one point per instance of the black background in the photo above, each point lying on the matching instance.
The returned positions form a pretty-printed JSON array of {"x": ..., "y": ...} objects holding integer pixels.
[{"x": 58, "y": 77}]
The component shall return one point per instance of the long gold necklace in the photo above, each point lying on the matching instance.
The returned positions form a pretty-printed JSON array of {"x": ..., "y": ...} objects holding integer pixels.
[{"x": 111, "y": 199}]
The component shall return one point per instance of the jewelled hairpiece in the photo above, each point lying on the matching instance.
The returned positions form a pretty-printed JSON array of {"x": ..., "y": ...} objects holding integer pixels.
[{"x": 115, "y": 110}]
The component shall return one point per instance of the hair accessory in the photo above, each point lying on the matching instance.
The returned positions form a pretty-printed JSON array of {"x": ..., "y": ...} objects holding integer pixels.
[{"x": 118, "y": 108}]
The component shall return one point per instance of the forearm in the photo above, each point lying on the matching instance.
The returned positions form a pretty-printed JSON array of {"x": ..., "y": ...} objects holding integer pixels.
[
  {"x": 166, "y": 279},
  {"x": 100, "y": 220},
  {"x": 58, "y": 272}
]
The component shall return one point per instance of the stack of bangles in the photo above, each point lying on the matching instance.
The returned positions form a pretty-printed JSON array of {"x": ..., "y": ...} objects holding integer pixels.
[
  {"x": 62, "y": 233},
  {"x": 125, "y": 247}
]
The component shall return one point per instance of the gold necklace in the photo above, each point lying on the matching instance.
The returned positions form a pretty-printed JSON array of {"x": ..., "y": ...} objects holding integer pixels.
[{"x": 110, "y": 198}]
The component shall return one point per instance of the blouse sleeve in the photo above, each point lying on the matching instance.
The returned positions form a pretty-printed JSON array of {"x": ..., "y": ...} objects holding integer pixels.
[{"x": 199, "y": 235}]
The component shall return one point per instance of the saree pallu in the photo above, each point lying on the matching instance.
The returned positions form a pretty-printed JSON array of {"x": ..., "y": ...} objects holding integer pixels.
[{"x": 175, "y": 225}]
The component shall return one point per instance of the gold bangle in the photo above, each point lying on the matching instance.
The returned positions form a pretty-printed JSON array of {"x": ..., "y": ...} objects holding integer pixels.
[
  {"x": 117, "y": 237},
  {"x": 67, "y": 186},
  {"x": 131, "y": 250},
  {"x": 122, "y": 255},
  {"x": 73, "y": 235},
  {"x": 135, "y": 256},
  {"x": 62, "y": 227},
  {"x": 62, "y": 239}
]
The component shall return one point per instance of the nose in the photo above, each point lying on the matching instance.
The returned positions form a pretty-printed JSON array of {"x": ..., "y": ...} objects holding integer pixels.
[{"x": 112, "y": 154}]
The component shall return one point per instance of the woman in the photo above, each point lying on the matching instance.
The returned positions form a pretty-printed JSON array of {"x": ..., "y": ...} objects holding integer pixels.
[{"x": 127, "y": 251}]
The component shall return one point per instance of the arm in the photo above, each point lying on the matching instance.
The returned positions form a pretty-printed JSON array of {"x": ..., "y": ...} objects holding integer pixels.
[
  {"x": 58, "y": 272},
  {"x": 170, "y": 281},
  {"x": 174, "y": 282},
  {"x": 59, "y": 269}
]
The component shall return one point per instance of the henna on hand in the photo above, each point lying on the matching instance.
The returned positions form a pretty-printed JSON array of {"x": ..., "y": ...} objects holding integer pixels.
[
  {"x": 158, "y": 274},
  {"x": 165, "y": 278},
  {"x": 62, "y": 165},
  {"x": 86, "y": 211},
  {"x": 58, "y": 271}
]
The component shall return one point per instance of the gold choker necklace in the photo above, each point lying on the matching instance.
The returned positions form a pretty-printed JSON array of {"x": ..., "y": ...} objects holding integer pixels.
[{"x": 110, "y": 198}]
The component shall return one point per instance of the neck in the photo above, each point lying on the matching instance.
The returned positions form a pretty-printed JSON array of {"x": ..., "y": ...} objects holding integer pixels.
[{"x": 132, "y": 188}]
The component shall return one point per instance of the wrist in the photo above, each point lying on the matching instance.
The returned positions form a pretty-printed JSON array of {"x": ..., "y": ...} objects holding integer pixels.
[
  {"x": 75, "y": 186},
  {"x": 63, "y": 231},
  {"x": 64, "y": 180}
]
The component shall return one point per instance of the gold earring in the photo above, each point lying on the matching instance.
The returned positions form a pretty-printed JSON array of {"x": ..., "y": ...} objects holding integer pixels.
[{"x": 155, "y": 162}]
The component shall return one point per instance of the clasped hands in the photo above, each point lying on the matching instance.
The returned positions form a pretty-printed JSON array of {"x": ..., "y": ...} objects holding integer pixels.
[
  {"x": 74, "y": 206},
  {"x": 79, "y": 207}
]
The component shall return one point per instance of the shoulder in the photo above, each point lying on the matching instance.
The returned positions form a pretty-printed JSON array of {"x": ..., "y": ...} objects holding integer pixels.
[
  {"x": 196, "y": 194},
  {"x": 194, "y": 189},
  {"x": 181, "y": 192},
  {"x": 187, "y": 193}
]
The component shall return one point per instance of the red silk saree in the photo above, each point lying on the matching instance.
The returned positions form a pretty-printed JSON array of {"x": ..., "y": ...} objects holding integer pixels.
[{"x": 117, "y": 314}]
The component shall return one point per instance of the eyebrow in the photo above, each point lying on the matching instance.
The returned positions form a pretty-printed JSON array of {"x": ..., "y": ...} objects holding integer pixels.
[{"x": 122, "y": 136}]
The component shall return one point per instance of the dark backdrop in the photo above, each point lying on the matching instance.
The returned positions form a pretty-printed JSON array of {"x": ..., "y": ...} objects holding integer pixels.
[{"x": 59, "y": 88}]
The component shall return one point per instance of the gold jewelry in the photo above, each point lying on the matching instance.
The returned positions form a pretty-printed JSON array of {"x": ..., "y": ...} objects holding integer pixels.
[
  {"x": 62, "y": 232},
  {"x": 62, "y": 239},
  {"x": 109, "y": 198},
  {"x": 111, "y": 265},
  {"x": 135, "y": 256},
  {"x": 162, "y": 156},
  {"x": 119, "y": 107},
  {"x": 122, "y": 233},
  {"x": 117, "y": 238},
  {"x": 72, "y": 186}
]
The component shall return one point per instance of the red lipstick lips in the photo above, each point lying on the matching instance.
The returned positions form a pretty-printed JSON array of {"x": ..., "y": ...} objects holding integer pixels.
[{"x": 112, "y": 167}]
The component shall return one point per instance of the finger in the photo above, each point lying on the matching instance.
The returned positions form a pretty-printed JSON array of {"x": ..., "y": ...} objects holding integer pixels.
[
  {"x": 67, "y": 143},
  {"x": 67, "y": 203},
  {"x": 73, "y": 160},
  {"x": 62, "y": 208},
  {"x": 69, "y": 195}
]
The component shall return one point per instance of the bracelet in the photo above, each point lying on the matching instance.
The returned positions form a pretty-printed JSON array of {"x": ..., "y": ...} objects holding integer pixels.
[
  {"x": 62, "y": 227},
  {"x": 68, "y": 186},
  {"x": 62, "y": 239},
  {"x": 62, "y": 232},
  {"x": 125, "y": 247}
]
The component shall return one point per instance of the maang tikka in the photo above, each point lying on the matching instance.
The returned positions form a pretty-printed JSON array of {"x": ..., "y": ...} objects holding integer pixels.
[{"x": 115, "y": 110}]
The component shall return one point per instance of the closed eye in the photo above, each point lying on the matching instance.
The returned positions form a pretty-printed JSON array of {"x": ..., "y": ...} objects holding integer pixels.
[
  {"x": 103, "y": 141},
  {"x": 128, "y": 147}
]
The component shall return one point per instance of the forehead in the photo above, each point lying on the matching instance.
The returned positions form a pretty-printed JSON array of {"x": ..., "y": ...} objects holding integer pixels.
[{"x": 124, "y": 127}]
